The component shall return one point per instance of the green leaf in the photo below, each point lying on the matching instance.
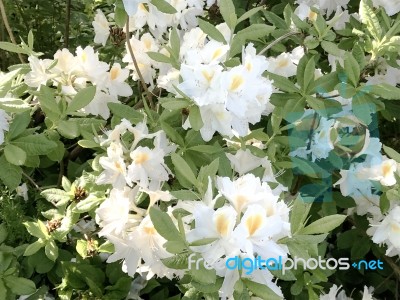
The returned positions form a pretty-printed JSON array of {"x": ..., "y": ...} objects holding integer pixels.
[
  {"x": 227, "y": 9},
  {"x": 175, "y": 43},
  {"x": 363, "y": 107},
  {"x": 30, "y": 39},
  {"x": 174, "y": 103},
  {"x": 309, "y": 75},
  {"x": 370, "y": 19},
  {"x": 10, "y": 47},
  {"x": 261, "y": 290},
  {"x": 13, "y": 105},
  {"x": 18, "y": 125},
  {"x": 162, "y": 222},
  {"x": 120, "y": 16},
  {"x": 254, "y": 32},
  {"x": 208, "y": 149},
  {"x": 37, "y": 229},
  {"x": 81, "y": 99},
  {"x": 178, "y": 261},
  {"x": 352, "y": 69},
  {"x": 183, "y": 168},
  {"x": 324, "y": 107},
  {"x": 48, "y": 103},
  {"x": 324, "y": 225},
  {"x": 51, "y": 250},
  {"x": 325, "y": 84},
  {"x": 34, "y": 247},
  {"x": 56, "y": 196},
  {"x": 125, "y": 112},
  {"x": 14, "y": 155},
  {"x": 3, "y": 233},
  {"x": 195, "y": 118},
  {"x": 37, "y": 144},
  {"x": 393, "y": 154},
  {"x": 10, "y": 174},
  {"x": 211, "y": 31},
  {"x": 298, "y": 214},
  {"x": 386, "y": 91},
  {"x": 164, "y": 6},
  {"x": 283, "y": 83},
  {"x": 172, "y": 134},
  {"x": 88, "y": 204},
  {"x": 19, "y": 285},
  {"x": 81, "y": 248},
  {"x": 249, "y": 13},
  {"x": 159, "y": 57},
  {"x": 203, "y": 242}
]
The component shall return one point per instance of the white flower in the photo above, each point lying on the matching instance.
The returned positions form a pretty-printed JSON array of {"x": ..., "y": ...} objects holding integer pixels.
[
  {"x": 22, "y": 191},
  {"x": 131, "y": 6},
  {"x": 367, "y": 293},
  {"x": 333, "y": 294},
  {"x": 90, "y": 65},
  {"x": 286, "y": 63},
  {"x": 38, "y": 74},
  {"x": 113, "y": 214},
  {"x": 217, "y": 224},
  {"x": 125, "y": 249},
  {"x": 114, "y": 167},
  {"x": 382, "y": 169},
  {"x": 116, "y": 81},
  {"x": 388, "y": 230},
  {"x": 391, "y": 7},
  {"x": 244, "y": 161},
  {"x": 322, "y": 144},
  {"x": 150, "y": 244},
  {"x": 101, "y": 28},
  {"x": 98, "y": 106},
  {"x": 4, "y": 119},
  {"x": 258, "y": 233},
  {"x": 148, "y": 167},
  {"x": 244, "y": 191}
]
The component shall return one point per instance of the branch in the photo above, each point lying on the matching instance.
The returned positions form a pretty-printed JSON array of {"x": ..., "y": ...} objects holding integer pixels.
[
  {"x": 128, "y": 43},
  {"x": 279, "y": 39},
  {"x": 31, "y": 180},
  {"x": 9, "y": 30},
  {"x": 68, "y": 19}
]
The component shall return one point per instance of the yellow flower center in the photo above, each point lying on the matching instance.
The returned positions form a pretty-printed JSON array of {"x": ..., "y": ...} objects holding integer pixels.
[
  {"x": 217, "y": 53},
  {"x": 237, "y": 81},
  {"x": 222, "y": 225},
  {"x": 141, "y": 158},
  {"x": 386, "y": 168},
  {"x": 253, "y": 223},
  {"x": 114, "y": 73},
  {"x": 150, "y": 230},
  {"x": 207, "y": 75},
  {"x": 283, "y": 63}
]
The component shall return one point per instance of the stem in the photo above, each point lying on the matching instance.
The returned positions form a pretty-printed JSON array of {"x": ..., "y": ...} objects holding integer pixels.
[
  {"x": 31, "y": 180},
  {"x": 9, "y": 30},
  {"x": 128, "y": 43},
  {"x": 279, "y": 39},
  {"x": 68, "y": 19}
]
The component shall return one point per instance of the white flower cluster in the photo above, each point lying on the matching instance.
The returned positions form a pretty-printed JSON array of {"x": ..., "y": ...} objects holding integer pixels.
[
  {"x": 4, "y": 126},
  {"x": 362, "y": 181},
  {"x": 336, "y": 294},
  {"x": 248, "y": 225},
  {"x": 133, "y": 169},
  {"x": 74, "y": 72}
]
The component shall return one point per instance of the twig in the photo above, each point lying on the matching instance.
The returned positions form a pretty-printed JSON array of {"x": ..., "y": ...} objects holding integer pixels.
[
  {"x": 9, "y": 30},
  {"x": 128, "y": 43},
  {"x": 279, "y": 39},
  {"x": 31, "y": 180},
  {"x": 68, "y": 19}
]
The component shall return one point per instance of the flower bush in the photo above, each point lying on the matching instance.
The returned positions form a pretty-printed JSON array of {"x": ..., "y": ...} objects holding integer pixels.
[{"x": 216, "y": 130}]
